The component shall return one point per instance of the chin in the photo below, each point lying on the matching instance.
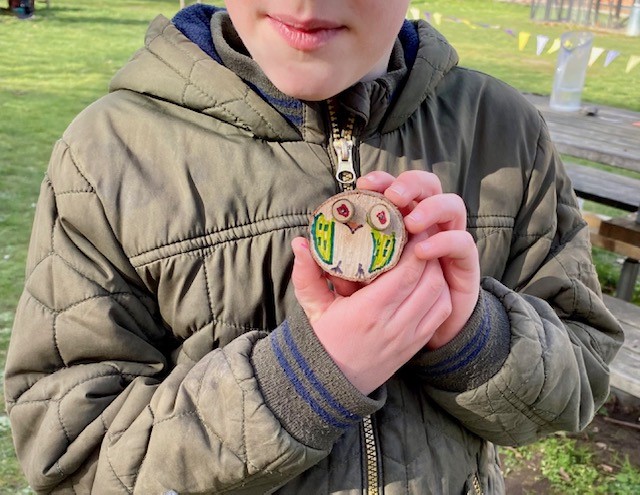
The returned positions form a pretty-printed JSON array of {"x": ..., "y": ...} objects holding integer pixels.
[
  {"x": 308, "y": 94},
  {"x": 309, "y": 87}
]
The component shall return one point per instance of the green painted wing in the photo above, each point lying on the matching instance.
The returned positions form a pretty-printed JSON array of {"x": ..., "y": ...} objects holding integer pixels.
[
  {"x": 322, "y": 231},
  {"x": 383, "y": 248}
]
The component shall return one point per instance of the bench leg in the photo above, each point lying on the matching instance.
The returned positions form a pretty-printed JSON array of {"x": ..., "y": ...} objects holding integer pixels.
[{"x": 628, "y": 277}]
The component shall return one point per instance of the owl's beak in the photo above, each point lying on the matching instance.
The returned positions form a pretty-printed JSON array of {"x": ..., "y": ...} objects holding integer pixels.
[{"x": 353, "y": 226}]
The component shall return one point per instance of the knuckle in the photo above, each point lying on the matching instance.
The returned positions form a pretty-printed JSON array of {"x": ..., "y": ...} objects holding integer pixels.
[
  {"x": 436, "y": 285},
  {"x": 412, "y": 273},
  {"x": 467, "y": 241}
]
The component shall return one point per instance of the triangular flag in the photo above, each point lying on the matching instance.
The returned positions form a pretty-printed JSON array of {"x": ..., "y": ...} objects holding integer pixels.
[
  {"x": 595, "y": 53},
  {"x": 542, "y": 41},
  {"x": 427, "y": 16},
  {"x": 437, "y": 18},
  {"x": 510, "y": 32},
  {"x": 468, "y": 23},
  {"x": 555, "y": 46},
  {"x": 523, "y": 39},
  {"x": 633, "y": 61},
  {"x": 414, "y": 13},
  {"x": 611, "y": 56}
]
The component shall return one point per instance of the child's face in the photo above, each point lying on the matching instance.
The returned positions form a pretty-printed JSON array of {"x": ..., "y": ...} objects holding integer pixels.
[{"x": 314, "y": 49}]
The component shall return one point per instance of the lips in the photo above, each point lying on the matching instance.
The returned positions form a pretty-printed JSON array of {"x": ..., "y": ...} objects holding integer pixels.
[{"x": 305, "y": 35}]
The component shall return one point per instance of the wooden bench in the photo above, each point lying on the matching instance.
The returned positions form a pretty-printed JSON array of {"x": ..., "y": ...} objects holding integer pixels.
[
  {"x": 625, "y": 367},
  {"x": 610, "y": 136},
  {"x": 619, "y": 235},
  {"x": 622, "y": 236},
  {"x": 597, "y": 133},
  {"x": 603, "y": 187}
]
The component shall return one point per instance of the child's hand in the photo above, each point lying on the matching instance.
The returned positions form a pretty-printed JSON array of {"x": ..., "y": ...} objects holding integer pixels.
[
  {"x": 377, "y": 328},
  {"x": 371, "y": 331},
  {"x": 419, "y": 196}
]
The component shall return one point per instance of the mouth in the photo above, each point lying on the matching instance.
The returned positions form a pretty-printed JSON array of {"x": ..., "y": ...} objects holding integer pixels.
[{"x": 305, "y": 35}]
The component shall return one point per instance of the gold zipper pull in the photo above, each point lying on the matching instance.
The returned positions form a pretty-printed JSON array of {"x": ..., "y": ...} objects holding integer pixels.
[{"x": 345, "y": 171}]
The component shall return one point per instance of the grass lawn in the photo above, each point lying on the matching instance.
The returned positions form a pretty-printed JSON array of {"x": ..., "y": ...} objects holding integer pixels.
[{"x": 53, "y": 65}]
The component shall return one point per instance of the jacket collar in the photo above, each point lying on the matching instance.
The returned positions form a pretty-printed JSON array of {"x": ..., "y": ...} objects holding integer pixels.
[{"x": 189, "y": 72}]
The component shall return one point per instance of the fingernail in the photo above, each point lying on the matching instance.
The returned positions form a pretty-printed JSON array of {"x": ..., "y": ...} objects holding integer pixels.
[
  {"x": 370, "y": 178},
  {"x": 423, "y": 248},
  {"x": 399, "y": 189},
  {"x": 416, "y": 216},
  {"x": 300, "y": 243}
]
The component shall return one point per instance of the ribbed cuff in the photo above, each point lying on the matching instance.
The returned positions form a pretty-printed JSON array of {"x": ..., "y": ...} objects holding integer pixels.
[
  {"x": 475, "y": 354},
  {"x": 304, "y": 388}
]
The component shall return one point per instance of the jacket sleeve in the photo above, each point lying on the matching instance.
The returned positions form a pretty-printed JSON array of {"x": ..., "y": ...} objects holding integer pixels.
[
  {"x": 95, "y": 401},
  {"x": 535, "y": 360}
]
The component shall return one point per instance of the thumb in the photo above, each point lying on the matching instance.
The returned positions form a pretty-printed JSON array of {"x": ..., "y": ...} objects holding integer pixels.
[{"x": 311, "y": 288}]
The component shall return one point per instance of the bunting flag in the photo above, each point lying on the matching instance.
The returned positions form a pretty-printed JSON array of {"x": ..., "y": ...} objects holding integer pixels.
[
  {"x": 523, "y": 39},
  {"x": 541, "y": 42},
  {"x": 611, "y": 56},
  {"x": 595, "y": 54},
  {"x": 413, "y": 14},
  {"x": 633, "y": 61},
  {"x": 555, "y": 46}
]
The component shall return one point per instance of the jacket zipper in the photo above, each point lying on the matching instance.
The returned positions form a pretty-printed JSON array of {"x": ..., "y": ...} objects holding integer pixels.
[
  {"x": 343, "y": 143},
  {"x": 476, "y": 485},
  {"x": 372, "y": 479}
]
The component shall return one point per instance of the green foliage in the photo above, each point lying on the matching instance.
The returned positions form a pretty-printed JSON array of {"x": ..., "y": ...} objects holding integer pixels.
[{"x": 572, "y": 469}]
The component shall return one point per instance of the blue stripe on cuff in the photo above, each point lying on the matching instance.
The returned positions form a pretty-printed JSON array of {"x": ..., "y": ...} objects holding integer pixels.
[
  {"x": 467, "y": 353},
  {"x": 310, "y": 375},
  {"x": 300, "y": 389}
]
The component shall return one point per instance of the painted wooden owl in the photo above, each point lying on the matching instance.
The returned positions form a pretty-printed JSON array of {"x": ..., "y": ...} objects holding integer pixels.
[{"x": 357, "y": 235}]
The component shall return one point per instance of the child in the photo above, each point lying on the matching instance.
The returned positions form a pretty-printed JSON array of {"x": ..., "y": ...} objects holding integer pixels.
[{"x": 167, "y": 342}]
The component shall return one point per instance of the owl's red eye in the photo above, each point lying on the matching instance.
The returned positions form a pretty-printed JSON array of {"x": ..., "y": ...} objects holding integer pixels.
[
  {"x": 379, "y": 217},
  {"x": 342, "y": 210}
]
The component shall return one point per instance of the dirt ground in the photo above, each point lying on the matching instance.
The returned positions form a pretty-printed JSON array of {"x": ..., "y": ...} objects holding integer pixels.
[{"x": 612, "y": 435}]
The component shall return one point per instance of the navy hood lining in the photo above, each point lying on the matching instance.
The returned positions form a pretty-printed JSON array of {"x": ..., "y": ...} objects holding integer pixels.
[{"x": 195, "y": 23}]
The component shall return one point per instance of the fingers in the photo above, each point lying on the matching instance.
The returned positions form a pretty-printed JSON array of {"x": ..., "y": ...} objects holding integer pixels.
[
  {"x": 453, "y": 244},
  {"x": 458, "y": 254},
  {"x": 414, "y": 185},
  {"x": 344, "y": 287},
  {"x": 375, "y": 181},
  {"x": 309, "y": 284},
  {"x": 405, "y": 191},
  {"x": 447, "y": 211},
  {"x": 394, "y": 286},
  {"x": 427, "y": 306}
]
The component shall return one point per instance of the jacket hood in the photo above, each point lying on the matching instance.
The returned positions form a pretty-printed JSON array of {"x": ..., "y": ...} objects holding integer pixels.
[{"x": 186, "y": 74}]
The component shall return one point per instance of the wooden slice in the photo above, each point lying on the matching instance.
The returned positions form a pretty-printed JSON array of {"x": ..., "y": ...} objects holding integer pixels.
[{"x": 357, "y": 235}]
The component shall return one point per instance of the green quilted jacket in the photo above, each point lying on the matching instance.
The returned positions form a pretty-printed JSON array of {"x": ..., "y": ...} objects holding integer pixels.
[{"x": 158, "y": 347}]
